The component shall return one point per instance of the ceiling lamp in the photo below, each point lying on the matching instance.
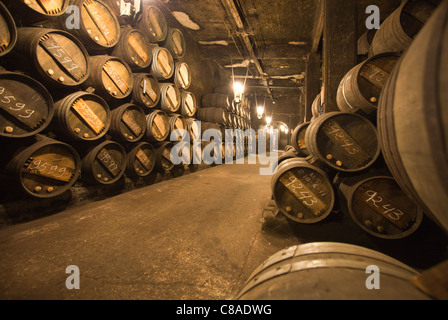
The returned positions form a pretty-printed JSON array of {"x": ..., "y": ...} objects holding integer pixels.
[{"x": 238, "y": 89}]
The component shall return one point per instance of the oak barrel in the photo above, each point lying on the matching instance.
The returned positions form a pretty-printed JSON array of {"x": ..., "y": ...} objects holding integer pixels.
[
  {"x": 81, "y": 116},
  {"x": 189, "y": 105},
  {"x": 216, "y": 100},
  {"x": 128, "y": 123},
  {"x": 170, "y": 100},
  {"x": 365, "y": 41},
  {"x": 111, "y": 77},
  {"x": 153, "y": 23},
  {"x": 360, "y": 89},
  {"x": 163, "y": 156},
  {"x": 146, "y": 92},
  {"x": 298, "y": 140},
  {"x": 26, "y": 106},
  {"x": 141, "y": 160},
  {"x": 162, "y": 66},
  {"x": 175, "y": 43},
  {"x": 343, "y": 141},
  {"x": 302, "y": 192},
  {"x": 41, "y": 167},
  {"x": 8, "y": 31},
  {"x": 413, "y": 119},
  {"x": 330, "y": 271},
  {"x": 194, "y": 129},
  {"x": 27, "y": 12},
  {"x": 214, "y": 115},
  {"x": 158, "y": 127},
  {"x": 182, "y": 75},
  {"x": 378, "y": 205}
]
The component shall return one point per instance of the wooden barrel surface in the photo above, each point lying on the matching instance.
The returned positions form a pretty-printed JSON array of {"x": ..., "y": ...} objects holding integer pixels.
[
  {"x": 146, "y": 91},
  {"x": 216, "y": 100},
  {"x": 182, "y": 75},
  {"x": 26, "y": 106},
  {"x": 162, "y": 66},
  {"x": 158, "y": 127},
  {"x": 178, "y": 126},
  {"x": 141, "y": 160},
  {"x": 111, "y": 77},
  {"x": 99, "y": 28},
  {"x": 329, "y": 271},
  {"x": 31, "y": 11},
  {"x": 153, "y": 23},
  {"x": 55, "y": 56},
  {"x": 378, "y": 205},
  {"x": 365, "y": 41},
  {"x": 8, "y": 31},
  {"x": 43, "y": 167},
  {"x": 193, "y": 128},
  {"x": 298, "y": 139},
  {"x": 302, "y": 192},
  {"x": 82, "y": 116},
  {"x": 175, "y": 43},
  {"x": 163, "y": 156},
  {"x": 400, "y": 28},
  {"x": 104, "y": 164},
  {"x": 170, "y": 100},
  {"x": 214, "y": 115},
  {"x": 343, "y": 141},
  {"x": 360, "y": 89},
  {"x": 134, "y": 48},
  {"x": 128, "y": 123},
  {"x": 413, "y": 122},
  {"x": 189, "y": 105}
]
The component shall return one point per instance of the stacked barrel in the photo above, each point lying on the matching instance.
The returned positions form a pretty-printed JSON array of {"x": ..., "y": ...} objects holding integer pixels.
[
  {"x": 380, "y": 157},
  {"x": 88, "y": 101}
]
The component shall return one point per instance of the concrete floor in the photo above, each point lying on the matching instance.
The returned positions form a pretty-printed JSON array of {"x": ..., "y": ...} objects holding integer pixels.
[{"x": 196, "y": 237}]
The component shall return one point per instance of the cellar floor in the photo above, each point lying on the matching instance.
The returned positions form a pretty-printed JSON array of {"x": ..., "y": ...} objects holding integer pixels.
[{"x": 196, "y": 237}]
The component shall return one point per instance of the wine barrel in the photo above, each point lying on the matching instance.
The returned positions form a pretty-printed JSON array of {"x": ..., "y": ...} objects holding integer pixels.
[
  {"x": 111, "y": 77},
  {"x": 413, "y": 122},
  {"x": 175, "y": 43},
  {"x": 82, "y": 116},
  {"x": 188, "y": 105},
  {"x": 360, "y": 89},
  {"x": 219, "y": 130},
  {"x": 99, "y": 29},
  {"x": 103, "y": 164},
  {"x": 26, "y": 107},
  {"x": 182, "y": 75},
  {"x": 153, "y": 23},
  {"x": 216, "y": 100},
  {"x": 134, "y": 48},
  {"x": 177, "y": 122},
  {"x": 8, "y": 31},
  {"x": 55, "y": 57},
  {"x": 365, "y": 41},
  {"x": 193, "y": 129},
  {"x": 146, "y": 91},
  {"x": 163, "y": 156},
  {"x": 41, "y": 167},
  {"x": 141, "y": 160},
  {"x": 302, "y": 192},
  {"x": 27, "y": 12},
  {"x": 378, "y": 205},
  {"x": 128, "y": 123},
  {"x": 330, "y": 271},
  {"x": 170, "y": 100},
  {"x": 298, "y": 139},
  {"x": 163, "y": 66},
  {"x": 316, "y": 108},
  {"x": 158, "y": 127},
  {"x": 343, "y": 141},
  {"x": 215, "y": 115},
  {"x": 400, "y": 28}
]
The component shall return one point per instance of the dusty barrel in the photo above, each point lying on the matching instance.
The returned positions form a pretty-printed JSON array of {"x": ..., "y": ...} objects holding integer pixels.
[
  {"x": 178, "y": 126},
  {"x": 302, "y": 192},
  {"x": 98, "y": 27},
  {"x": 378, "y": 205},
  {"x": 400, "y": 28},
  {"x": 216, "y": 100},
  {"x": 175, "y": 43},
  {"x": 298, "y": 139},
  {"x": 215, "y": 115},
  {"x": 153, "y": 23},
  {"x": 343, "y": 141},
  {"x": 111, "y": 77},
  {"x": 413, "y": 122},
  {"x": 81, "y": 116},
  {"x": 163, "y": 156},
  {"x": 103, "y": 164},
  {"x": 141, "y": 160},
  {"x": 30, "y": 11},
  {"x": 316, "y": 107},
  {"x": 365, "y": 41},
  {"x": 8, "y": 31},
  {"x": 189, "y": 105},
  {"x": 360, "y": 89},
  {"x": 128, "y": 123},
  {"x": 146, "y": 91},
  {"x": 158, "y": 127},
  {"x": 182, "y": 75},
  {"x": 162, "y": 66},
  {"x": 41, "y": 167},
  {"x": 330, "y": 271},
  {"x": 26, "y": 107},
  {"x": 53, "y": 56},
  {"x": 170, "y": 100},
  {"x": 134, "y": 48}
]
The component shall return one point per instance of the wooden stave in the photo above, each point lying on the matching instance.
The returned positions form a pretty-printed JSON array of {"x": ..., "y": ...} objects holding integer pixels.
[
  {"x": 295, "y": 139},
  {"x": 6, "y": 15}
]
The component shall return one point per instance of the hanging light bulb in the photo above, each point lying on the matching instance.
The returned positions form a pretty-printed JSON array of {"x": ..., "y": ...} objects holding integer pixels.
[
  {"x": 269, "y": 120},
  {"x": 238, "y": 89},
  {"x": 260, "y": 112}
]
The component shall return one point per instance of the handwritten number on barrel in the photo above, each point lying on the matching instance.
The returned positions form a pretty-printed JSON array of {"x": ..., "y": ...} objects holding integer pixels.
[
  {"x": 18, "y": 106},
  {"x": 48, "y": 167},
  {"x": 388, "y": 209}
]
